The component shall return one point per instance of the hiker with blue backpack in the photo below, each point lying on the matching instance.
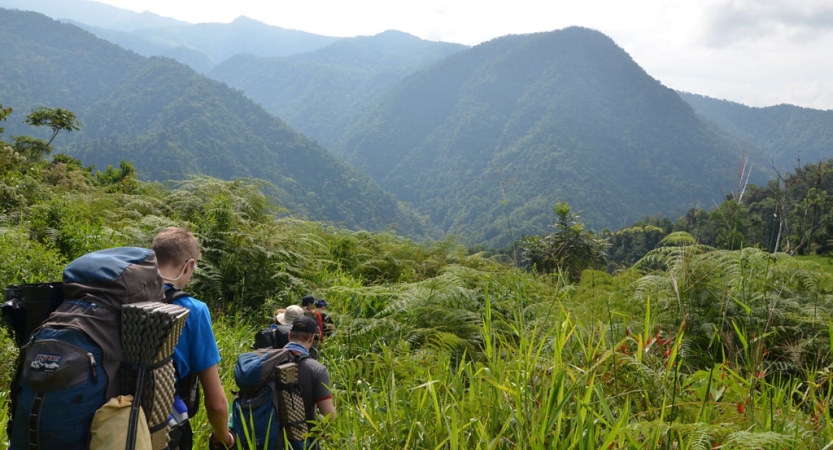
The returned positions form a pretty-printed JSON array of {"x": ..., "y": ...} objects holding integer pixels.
[
  {"x": 312, "y": 375},
  {"x": 196, "y": 355},
  {"x": 281, "y": 392},
  {"x": 70, "y": 365}
]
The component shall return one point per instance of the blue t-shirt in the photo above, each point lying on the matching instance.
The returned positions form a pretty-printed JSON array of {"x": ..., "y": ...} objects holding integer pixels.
[{"x": 197, "y": 347}]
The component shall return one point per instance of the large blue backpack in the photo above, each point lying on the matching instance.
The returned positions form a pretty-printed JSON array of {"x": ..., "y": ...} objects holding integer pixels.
[
  {"x": 70, "y": 365},
  {"x": 255, "y": 412}
]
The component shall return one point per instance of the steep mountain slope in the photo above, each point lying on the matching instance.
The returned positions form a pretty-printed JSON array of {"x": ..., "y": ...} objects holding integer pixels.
[
  {"x": 319, "y": 92},
  {"x": 171, "y": 122},
  {"x": 489, "y": 139},
  {"x": 787, "y": 133}
]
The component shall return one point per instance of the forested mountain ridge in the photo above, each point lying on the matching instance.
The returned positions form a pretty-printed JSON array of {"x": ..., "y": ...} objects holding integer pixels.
[
  {"x": 171, "y": 122},
  {"x": 790, "y": 135},
  {"x": 319, "y": 92},
  {"x": 200, "y": 46},
  {"x": 531, "y": 120}
]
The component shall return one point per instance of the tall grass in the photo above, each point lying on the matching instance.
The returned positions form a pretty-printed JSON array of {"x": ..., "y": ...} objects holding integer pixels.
[
  {"x": 693, "y": 348},
  {"x": 562, "y": 384},
  {"x": 541, "y": 378}
]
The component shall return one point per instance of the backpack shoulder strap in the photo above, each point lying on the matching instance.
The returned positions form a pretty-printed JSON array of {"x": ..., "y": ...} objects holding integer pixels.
[
  {"x": 298, "y": 358},
  {"x": 173, "y": 293}
]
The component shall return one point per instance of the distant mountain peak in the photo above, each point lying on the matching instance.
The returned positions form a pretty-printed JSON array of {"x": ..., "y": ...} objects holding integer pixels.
[
  {"x": 555, "y": 112},
  {"x": 394, "y": 33},
  {"x": 246, "y": 20}
]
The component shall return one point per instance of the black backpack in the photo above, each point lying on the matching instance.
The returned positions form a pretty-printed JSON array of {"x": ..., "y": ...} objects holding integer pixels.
[{"x": 276, "y": 336}]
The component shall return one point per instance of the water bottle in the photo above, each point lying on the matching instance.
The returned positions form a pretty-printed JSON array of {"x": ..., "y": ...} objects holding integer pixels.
[{"x": 179, "y": 412}]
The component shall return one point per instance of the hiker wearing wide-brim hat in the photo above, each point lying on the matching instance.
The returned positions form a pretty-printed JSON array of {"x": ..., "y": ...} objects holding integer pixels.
[
  {"x": 289, "y": 315},
  {"x": 283, "y": 323}
]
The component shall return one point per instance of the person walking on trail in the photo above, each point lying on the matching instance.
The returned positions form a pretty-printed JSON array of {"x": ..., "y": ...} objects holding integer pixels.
[
  {"x": 313, "y": 377},
  {"x": 321, "y": 306},
  {"x": 196, "y": 353},
  {"x": 284, "y": 324},
  {"x": 308, "y": 303}
]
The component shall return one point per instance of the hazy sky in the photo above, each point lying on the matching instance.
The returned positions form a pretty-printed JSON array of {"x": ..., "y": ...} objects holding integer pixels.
[{"x": 756, "y": 52}]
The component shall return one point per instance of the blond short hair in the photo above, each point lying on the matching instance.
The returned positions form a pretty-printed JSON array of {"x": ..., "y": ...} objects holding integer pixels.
[{"x": 174, "y": 246}]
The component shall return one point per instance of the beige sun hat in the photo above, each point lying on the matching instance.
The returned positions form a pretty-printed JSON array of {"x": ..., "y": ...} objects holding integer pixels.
[{"x": 292, "y": 312}]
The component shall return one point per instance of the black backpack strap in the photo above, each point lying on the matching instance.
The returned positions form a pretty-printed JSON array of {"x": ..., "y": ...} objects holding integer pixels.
[
  {"x": 15, "y": 386},
  {"x": 172, "y": 293},
  {"x": 188, "y": 389},
  {"x": 298, "y": 357}
]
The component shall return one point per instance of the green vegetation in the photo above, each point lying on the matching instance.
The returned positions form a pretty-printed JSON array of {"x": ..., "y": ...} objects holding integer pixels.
[
  {"x": 171, "y": 122},
  {"x": 710, "y": 332},
  {"x": 320, "y": 93},
  {"x": 533, "y": 120},
  {"x": 792, "y": 214},
  {"x": 690, "y": 348},
  {"x": 787, "y": 135},
  {"x": 569, "y": 250},
  {"x": 476, "y": 143}
]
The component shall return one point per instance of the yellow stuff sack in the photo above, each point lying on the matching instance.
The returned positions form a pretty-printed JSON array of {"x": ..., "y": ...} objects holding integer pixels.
[{"x": 109, "y": 428}]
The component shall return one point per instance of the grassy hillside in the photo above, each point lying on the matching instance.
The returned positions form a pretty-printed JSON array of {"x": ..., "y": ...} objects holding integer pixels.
[
  {"x": 171, "y": 122},
  {"x": 522, "y": 122},
  {"x": 438, "y": 348}
]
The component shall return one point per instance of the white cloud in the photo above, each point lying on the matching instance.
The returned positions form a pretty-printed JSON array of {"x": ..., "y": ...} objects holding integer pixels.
[{"x": 733, "y": 21}]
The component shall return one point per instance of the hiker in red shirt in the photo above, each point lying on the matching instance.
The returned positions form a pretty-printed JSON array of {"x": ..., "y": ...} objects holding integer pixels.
[{"x": 308, "y": 303}]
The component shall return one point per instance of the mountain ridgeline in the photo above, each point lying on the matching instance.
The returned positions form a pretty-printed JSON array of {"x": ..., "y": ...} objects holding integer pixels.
[
  {"x": 214, "y": 42},
  {"x": 788, "y": 136},
  {"x": 479, "y": 142},
  {"x": 200, "y": 46},
  {"x": 172, "y": 122},
  {"x": 319, "y": 93},
  {"x": 487, "y": 140}
]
